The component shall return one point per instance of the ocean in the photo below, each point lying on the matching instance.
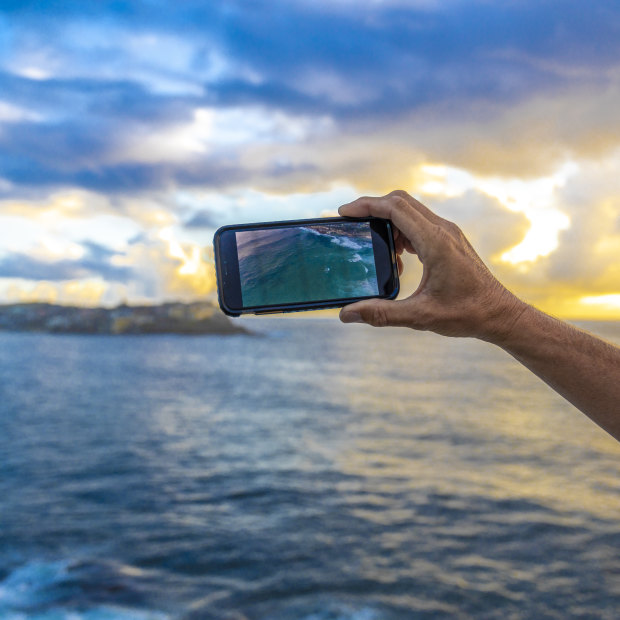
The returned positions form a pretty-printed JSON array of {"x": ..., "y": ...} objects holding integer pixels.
[
  {"x": 293, "y": 265},
  {"x": 312, "y": 471}
]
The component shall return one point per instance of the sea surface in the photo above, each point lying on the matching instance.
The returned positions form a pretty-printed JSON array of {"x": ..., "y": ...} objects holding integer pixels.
[
  {"x": 292, "y": 265},
  {"x": 313, "y": 471}
]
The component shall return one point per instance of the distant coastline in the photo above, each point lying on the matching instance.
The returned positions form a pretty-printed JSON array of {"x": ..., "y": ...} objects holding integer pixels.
[
  {"x": 197, "y": 318},
  {"x": 354, "y": 230}
]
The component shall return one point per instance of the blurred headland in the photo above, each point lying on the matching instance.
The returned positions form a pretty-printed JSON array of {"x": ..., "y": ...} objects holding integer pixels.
[{"x": 202, "y": 317}]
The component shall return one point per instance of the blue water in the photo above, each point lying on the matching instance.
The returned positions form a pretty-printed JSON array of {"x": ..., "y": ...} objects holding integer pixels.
[{"x": 317, "y": 472}]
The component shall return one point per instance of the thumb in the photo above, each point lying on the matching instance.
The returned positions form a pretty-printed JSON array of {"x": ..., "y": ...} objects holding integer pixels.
[{"x": 377, "y": 312}]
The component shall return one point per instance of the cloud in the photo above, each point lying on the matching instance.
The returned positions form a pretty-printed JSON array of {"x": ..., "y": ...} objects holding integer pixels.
[
  {"x": 589, "y": 250},
  {"x": 490, "y": 227},
  {"x": 166, "y": 268},
  {"x": 96, "y": 261},
  {"x": 91, "y": 292},
  {"x": 180, "y": 118},
  {"x": 485, "y": 85},
  {"x": 584, "y": 266},
  {"x": 155, "y": 266},
  {"x": 201, "y": 219}
]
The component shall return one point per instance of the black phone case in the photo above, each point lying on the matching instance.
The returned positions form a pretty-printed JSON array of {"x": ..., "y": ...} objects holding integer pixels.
[{"x": 296, "y": 307}]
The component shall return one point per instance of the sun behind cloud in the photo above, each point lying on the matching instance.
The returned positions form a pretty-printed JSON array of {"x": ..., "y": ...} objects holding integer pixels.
[{"x": 127, "y": 138}]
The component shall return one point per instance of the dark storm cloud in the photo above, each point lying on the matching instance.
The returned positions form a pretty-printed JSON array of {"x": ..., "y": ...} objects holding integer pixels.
[
  {"x": 102, "y": 98},
  {"x": 69, "y": 155},
  {"x": 395, "y": 59},
  {"x": 126, "y": 178},
  {"x": 201, "y": 219},
  {"x": 94, "y": 263},
  {"x": 358, "y": 63}
]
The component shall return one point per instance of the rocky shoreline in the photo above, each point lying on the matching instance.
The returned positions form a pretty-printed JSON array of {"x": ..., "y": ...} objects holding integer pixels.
[
  {"x": 360, "y": 231},
  {"x": 198, "y": 318}
]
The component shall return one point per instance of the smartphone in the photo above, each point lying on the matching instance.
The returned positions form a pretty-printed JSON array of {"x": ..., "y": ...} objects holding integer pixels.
[{"x": 304, "y": 264}]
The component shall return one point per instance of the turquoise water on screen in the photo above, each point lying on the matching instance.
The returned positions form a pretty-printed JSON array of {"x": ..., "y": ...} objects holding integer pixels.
[{"x": 311, "y": 263}]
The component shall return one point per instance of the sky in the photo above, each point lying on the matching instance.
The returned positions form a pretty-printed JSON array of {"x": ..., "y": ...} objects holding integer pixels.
[{"x": 130, "y": 131}]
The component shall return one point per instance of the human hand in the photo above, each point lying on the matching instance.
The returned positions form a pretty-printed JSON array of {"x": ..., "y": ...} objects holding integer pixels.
[{"x": 457, "y": 296}]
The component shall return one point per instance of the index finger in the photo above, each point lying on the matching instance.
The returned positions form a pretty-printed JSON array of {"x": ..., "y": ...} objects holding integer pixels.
[{"x": 414, "y": 224}]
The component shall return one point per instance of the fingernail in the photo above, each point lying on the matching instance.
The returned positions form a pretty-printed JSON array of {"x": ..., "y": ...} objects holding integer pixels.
[{"x": 352, "y": 317}]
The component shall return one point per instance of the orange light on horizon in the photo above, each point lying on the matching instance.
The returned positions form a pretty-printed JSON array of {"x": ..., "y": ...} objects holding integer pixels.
[{"x": 603, "y": 306}]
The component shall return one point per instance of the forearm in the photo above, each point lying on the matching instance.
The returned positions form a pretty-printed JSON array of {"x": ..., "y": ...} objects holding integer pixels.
[
  {"x": 458, "y": 296},
  {"x": 579, "y": 366}
]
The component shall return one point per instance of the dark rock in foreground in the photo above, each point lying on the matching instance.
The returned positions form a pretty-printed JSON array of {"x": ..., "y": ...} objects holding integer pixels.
[{"x": 168, "y": 318}]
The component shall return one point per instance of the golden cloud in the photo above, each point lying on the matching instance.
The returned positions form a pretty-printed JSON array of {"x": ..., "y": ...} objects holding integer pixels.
[
  {"x": 88, "y": 292},
  {"x": 529, "y": 138}
]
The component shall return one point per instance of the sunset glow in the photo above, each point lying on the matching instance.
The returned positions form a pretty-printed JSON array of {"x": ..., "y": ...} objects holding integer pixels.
[
  {"x": 603, "y": 306},
  {"x": 128, "y": 137}
]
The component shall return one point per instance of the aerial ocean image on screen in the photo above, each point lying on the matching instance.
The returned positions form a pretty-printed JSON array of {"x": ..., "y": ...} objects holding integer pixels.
[{"x": 309, "y": 263}]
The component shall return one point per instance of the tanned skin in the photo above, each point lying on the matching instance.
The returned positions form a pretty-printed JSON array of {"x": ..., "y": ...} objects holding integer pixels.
[{"x": 459, "y": 296}]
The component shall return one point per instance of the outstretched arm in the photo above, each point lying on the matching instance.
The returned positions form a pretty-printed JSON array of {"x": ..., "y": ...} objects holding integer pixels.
[
  {"x": 582, "y": 368},
  {"x": 458, "y": 296}
]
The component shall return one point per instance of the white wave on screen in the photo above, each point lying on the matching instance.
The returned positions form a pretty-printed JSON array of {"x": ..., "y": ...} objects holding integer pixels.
[
  {"x": 356, "y": 258},
  {"x": 312, "y": 231},
  {"x": 346, "y": 242}
]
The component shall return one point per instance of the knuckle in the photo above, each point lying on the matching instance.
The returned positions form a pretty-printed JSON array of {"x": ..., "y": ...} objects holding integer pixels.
[
  {"x": 439, "y": 231},
  {"x": 399, "y": 193},
  {"x": 398, "y": 203},
  {"x": 455, "y": 230},
  {"x": 452, "y": 229},
  {"x": 448, "y": 231}
]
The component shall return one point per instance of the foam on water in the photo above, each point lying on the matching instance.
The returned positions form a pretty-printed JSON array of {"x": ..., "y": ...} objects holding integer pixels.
[
  {"x": 356, "y": 258},
  {"x": 20, "y": 585},
  {"x": 39, "y": 590},
  {"x": 346, "y": 242},
  {"x": 53, "y": 590}
]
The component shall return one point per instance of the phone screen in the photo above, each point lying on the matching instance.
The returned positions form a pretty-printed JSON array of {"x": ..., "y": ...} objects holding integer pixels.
[{"x": 306, "y": 263}]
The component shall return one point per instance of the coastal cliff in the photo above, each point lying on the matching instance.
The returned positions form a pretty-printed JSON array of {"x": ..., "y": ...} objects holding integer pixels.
[{"x": 168, "y": 318}]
